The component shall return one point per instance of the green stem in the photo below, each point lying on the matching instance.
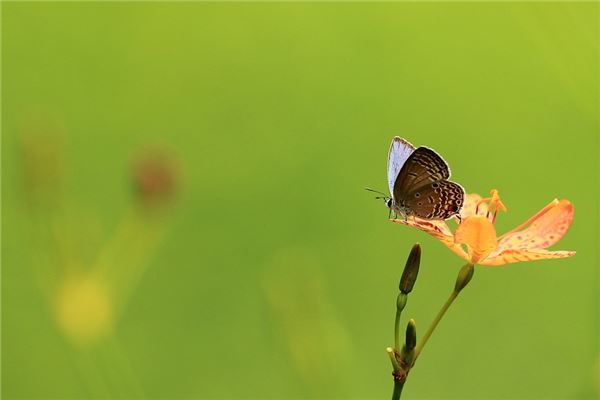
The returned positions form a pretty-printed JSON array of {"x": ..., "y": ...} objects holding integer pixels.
[
  {"x": 462, "y": 280},
  {"x": 397, "y": 390},
  {"x": 434, "y": 324},
  {"x": 397, "y": 329},
  {"x": 400, "y": 304},
  {"x": 392, "y": 354}
]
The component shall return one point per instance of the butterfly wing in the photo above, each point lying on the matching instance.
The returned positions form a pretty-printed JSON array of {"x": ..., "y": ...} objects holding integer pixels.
[
  {"x": 423, "y": 166},
  {"x": 436, "y": 200},
  {"x": 423, "y": 188},
  {"x": 400, "y": 150}
]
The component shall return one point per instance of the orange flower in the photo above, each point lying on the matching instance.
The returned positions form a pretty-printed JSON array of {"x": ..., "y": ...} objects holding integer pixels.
[{"x": 475, "y": 237}]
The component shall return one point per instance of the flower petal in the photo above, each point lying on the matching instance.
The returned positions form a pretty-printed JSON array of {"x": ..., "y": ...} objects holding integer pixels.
[
  {"x": 513, "y": 256},
  {"x": 470, "y": 206},
  {"x": 435, "y": 228},
  {"x": 542, "y": 230},
  {"x": 479, "y": 234}
]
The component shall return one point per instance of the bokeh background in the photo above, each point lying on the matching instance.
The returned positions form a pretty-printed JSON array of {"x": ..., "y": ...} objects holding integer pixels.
[{"x": 183, "y": 213}]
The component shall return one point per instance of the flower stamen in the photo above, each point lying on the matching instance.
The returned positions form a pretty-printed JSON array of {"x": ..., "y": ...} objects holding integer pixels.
[
  {"x": 482, "y": 201},
  {"x": 494, "y": 203}
]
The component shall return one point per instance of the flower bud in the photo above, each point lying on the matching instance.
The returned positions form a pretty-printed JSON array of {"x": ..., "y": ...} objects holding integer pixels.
[
  {"x": 411, "y": 270},
  {"x": 464, "y": 277},
  {"x": 401, "y": 301},
  {"x": 155, "y": 178},
  {"x": 411, "y": 335},
  {"x": 407, "y": 355},
  {"x": 43, "y": 157}
]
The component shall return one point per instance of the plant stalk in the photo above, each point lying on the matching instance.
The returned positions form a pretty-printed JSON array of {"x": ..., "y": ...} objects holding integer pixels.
[
  {"x": 434, "y": 324},
  {"x": 462, "y": 280},
  {"x": 397, "y": 329},
  {"x": 398, "y": 385},
  {"x": 400, "y": 304}
]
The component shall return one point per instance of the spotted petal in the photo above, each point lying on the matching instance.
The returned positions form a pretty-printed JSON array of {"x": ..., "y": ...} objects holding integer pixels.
[
  {"x": 436, "y": 228},
  {"x": 470, "y": 206},
  {"x": 529, "y": 240},
  {"x": 513, "y": 256}
]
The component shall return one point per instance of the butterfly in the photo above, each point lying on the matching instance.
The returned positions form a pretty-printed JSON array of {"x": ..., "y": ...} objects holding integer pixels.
[{"x": 419, "y": 185}]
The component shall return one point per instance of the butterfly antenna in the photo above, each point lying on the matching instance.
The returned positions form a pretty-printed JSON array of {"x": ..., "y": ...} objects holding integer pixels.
[
  {"x": 374, "y": 191},
  {"x": 383, "y": 196},
  {"x": 378, "y": 192}
]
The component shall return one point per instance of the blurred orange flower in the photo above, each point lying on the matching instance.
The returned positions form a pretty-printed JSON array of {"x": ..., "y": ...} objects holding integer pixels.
[{"x": 475, "y": 237}]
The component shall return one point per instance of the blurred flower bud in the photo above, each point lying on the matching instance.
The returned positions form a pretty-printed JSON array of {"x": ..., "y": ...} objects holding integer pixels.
[
  {"x": 411, "y": 270},
  {"x": 464, "y": 277},
  {"x": 84, "y": 309},
  {"x": 155, "y": 178},
  {"x": 42, "y": 148}
]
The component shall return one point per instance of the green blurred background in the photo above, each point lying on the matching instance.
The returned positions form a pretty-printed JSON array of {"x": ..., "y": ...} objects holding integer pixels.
[{"x": 271, "y": 273}]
